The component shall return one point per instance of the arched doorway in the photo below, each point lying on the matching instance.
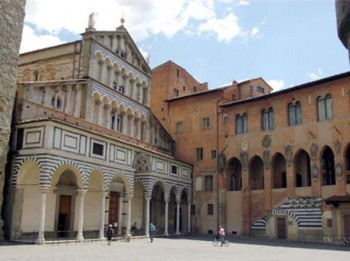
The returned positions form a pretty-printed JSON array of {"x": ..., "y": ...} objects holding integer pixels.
[
  {"x": 66, "y": 195},
  {"x": 302, "y": 169},
  {"x": 279, "y": 179},
  {"x": 256, "y": 173},
  {"x": 327, "y": 163},
  {"x": 157, "y": 207},
  {"x": 234, "y": 175}
]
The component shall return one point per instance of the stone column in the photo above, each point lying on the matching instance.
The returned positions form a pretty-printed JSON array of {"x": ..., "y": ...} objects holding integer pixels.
[
  {"x": 128, "y": 224},
  {"x": 41, "y": 239},
  {"x": 101, "y": 71},
  {"x": 107, "y": 115},
  {"x": 65, "y": 91},
  {"x": 132, "y": 91},
  {"x": 132, "y": 125},
  {"x": 98, "y": 111},
  {"x": 102, "y": 214},
  {"x": 178, "y": 217},
  {"x": 166, "y": 201},
  {"x": 80, "y": 236},
  {"x": 147, "y": 221},
  {"x": 189, "y": 217}
]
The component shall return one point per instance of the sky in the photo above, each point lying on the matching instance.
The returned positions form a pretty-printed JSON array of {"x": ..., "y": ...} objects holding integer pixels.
[{"x": 286, "y": 42}]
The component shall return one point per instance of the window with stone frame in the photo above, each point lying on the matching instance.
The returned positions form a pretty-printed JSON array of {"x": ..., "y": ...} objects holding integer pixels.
[
  {"x": 324, "y": 107},
  {"x": 267, "y": 119},
  {"x": 206, "y": 123},
  {"x": 241, "y": 123},
  {"x": 208, "y": 183},
  {"x": 294, "y": 113},
  {"x": 120, "y": 123},
  {"x": 179, "y": 127},
  {"x": 199, "y": 153}
]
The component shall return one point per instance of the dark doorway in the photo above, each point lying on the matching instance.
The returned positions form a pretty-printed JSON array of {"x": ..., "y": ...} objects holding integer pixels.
[
  {"x": 63, "y": 225},
  {"x": 281, "y": 228},
  {"x": 346, "y": 219},
  {"x": 113, "y": 208}
]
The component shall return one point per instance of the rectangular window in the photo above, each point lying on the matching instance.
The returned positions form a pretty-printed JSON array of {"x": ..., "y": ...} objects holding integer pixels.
[
  {"x": 194, "y": 88},
  {"x": 260, "y": 89},
  {"x": 210, "y": 209},
  {"x": 205, "y": 123},
  {"x": 121, "y": 89},
  {"x": 184, "y": 88},
  {"x": 199, "y": 153},
  {"x": 97, "y": 149},
  {"x": 176, "y": 93},
  {"x": 173, "y": 169},
  {"x": 224, "y": 119},
  {"x": 213, "y": 154},
  {"x": 179, "y": 127},
  {"x": 208, "y": 183}
]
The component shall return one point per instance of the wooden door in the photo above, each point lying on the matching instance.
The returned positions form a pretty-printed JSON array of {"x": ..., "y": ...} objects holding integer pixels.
[
  {"x": 113, "y": 208},
  {"x": 346, "y": 219},
  {"x": 63, "y": 225},
  {"x": 281, "y": 228}
]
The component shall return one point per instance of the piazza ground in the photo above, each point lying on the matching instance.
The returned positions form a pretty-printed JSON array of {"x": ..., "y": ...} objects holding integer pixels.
[{"x": 178, "y": 249}]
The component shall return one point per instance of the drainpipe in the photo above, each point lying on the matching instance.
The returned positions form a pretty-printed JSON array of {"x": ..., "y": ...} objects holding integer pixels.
[{"x": 217, "y": 162}]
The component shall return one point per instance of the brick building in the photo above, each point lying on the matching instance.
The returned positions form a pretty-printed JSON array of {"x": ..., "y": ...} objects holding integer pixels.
[{"x": 268, "y": 164}]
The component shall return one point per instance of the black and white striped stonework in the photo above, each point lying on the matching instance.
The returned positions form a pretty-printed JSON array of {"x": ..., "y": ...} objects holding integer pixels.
[{"x": 306, "y": 211}]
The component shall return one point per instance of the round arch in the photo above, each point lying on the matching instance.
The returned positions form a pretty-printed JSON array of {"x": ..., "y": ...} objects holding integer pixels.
[
  {"x": 233, "y": 170},
  {"x": 256, "y": 173},
  {"x": 278, "y": 171}
]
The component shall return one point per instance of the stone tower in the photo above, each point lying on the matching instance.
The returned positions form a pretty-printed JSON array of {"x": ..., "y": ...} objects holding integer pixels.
[
  {"x": 343, "y": 22},
  {"x": 11, "y": 21}
]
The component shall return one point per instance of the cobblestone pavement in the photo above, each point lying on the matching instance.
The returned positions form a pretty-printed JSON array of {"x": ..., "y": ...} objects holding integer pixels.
[{"x": 165, "y": 249}]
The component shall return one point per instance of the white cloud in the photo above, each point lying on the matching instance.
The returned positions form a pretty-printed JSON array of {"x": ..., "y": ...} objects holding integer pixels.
[
  {"x": 34, "y": 41},
  {"x": 243, "y": 2},
  {"x": 316, "y": 75},
  {"x": 277, "y": 85},
  {"x": 255, "y": 33},
  {"x": 142, "y": 18},
  {"x": 225, "y": 29}
]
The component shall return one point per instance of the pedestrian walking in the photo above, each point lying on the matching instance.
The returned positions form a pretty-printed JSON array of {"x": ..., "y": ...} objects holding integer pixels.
[
  {"x": 110, "y": 233},
  {"x": 152, "y": 229},
  {"x": 221, "y": 235}
]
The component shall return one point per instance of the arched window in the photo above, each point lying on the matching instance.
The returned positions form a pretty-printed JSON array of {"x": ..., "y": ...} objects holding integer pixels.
[
  {"x": 241, "y": 123},
  {"x": 324, "y": 107},
  {"x": 267, "y": 119},
  {"x": 328, "y": 171},
  {"x": 120, "y": 123},
  {"x": 294, "y": 113},
  {"x": 113, "y": 120}
]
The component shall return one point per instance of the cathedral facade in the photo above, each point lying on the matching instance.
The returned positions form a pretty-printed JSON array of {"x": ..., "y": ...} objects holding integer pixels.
[{"x": 87, "y": 151}]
